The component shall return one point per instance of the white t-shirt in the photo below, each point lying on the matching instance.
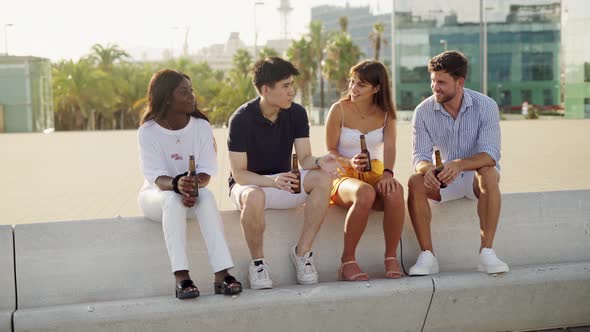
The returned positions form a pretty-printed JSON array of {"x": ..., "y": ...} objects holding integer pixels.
[{"x": 166, "y": 152}]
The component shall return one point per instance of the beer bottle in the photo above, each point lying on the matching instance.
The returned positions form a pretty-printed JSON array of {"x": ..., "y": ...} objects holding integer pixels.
[
  {"x": 295, "y": 170},
  {"x": 193, "y": 174},
  {"x": 439, "y": 167},
  {"x": 365, "y": 151}
]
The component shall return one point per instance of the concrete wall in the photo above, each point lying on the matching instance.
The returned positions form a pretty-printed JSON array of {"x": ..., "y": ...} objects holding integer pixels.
[
  {"x": 114, "y": 274},
  {"x": 534, "y": 228},
  {"x": 537, "y": 297},
  {"x": 7, "y": 294},
  {"x": 385, "y": 306}
]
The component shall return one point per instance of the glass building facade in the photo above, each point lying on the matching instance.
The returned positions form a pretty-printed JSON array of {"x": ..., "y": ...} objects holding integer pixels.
[
  {"x": 576, "y": 58},
  {"x": 525, "y": 53}
]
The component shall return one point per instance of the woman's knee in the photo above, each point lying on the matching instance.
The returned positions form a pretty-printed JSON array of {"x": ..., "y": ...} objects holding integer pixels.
[
  {"x": 396, "y": 198},
  {"x": 365, "y": 196}
]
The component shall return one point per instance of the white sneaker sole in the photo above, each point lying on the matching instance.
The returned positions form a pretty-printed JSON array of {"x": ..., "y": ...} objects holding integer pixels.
[
  {"x": 433, "y": 270},
  {"x": 263, "y": 286},
  {"x": 307, "y": 282},
  {"x": 493, "y": 269}
]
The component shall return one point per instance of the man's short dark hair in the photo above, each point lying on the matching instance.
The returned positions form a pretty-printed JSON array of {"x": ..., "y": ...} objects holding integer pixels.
[
  {"x": 452, "y": 62},
  {"x": 270, "y": 70}
]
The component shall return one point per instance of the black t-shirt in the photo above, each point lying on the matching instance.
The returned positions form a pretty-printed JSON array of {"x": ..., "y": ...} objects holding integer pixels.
[{"x": 268, "y": 145}]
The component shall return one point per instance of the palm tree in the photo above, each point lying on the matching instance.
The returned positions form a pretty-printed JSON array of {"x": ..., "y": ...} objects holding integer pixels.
[
  {"x": 237, "y": 89},
  {"x": 341, "y": 54},
  {"x": 78, "y": 89},
  {"x": 131, "y": 81},
  {"x": 300, "y": 53},
  {"x": 376, "y": 37},
  {"x": 266, "y": 52},
  {"x": 242, "y": 61},
  {"x": 106, "y": 57},
  {"x": 318, "y": 40}
]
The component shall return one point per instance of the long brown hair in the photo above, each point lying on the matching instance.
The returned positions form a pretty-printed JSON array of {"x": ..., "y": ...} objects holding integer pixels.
[
  {"x": 160, "y": 90},
  {"x": 374, "y": 73}
]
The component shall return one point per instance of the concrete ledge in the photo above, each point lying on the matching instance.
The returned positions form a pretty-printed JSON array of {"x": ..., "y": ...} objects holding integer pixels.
[
  {"x": 68, "y": 257},
  {"x": 384, "y": 306},
  {"x": 7, "y": 289},
  {"x": 534, "y": 228},
  {"x": 527, "y": 298}
]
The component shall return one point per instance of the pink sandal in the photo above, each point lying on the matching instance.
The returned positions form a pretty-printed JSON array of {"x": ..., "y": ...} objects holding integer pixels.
[
  {"x": 361, "y": 276},
  {"x": 394, "y": 273}
]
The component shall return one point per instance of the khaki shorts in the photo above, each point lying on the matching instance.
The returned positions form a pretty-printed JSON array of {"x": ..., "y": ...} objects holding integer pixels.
[{"x": 274, "y": 198}]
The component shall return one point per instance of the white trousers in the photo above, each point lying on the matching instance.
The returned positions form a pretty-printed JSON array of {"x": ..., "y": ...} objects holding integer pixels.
[{"x": 166, "y": 207}]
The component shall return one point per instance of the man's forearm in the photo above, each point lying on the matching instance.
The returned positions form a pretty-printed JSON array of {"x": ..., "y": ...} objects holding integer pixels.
[
  {"x": 309, "y": 162},
  {"x": 245, "y": 177},
  {"x": 476, "y": 162}
]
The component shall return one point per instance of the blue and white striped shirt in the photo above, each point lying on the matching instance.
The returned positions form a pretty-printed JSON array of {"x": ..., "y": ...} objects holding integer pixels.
[{"x": 476, "y": 129}]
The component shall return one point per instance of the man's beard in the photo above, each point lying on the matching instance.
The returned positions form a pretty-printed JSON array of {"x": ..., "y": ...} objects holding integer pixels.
[{"x": 444, "y": 98}]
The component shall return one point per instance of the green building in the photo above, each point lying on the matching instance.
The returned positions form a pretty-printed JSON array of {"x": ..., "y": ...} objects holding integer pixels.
[
  {"x": 576, "y": 58},
  {"x": 525, "y": 56},
  {"x": 26, "y": 101}
]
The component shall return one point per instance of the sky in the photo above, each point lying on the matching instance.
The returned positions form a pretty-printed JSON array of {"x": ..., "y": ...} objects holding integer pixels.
[{"x": 66, "y": 29}]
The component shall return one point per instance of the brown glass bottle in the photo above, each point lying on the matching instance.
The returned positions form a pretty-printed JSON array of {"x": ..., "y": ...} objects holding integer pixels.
[
  {"x": 365, "y": 151},
  {"x": 193, "y": 173},
  {"x": 439, "y": 167},
  {"x": 295, "y": 170}
]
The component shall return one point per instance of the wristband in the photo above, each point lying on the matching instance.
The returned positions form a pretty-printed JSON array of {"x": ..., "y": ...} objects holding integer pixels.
[
  {"x": 387, "y": 170},
  {"x": 175, "y": 182}
]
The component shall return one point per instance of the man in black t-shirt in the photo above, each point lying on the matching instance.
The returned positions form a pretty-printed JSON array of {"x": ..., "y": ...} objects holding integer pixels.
[{"x": 262, "y": 134}]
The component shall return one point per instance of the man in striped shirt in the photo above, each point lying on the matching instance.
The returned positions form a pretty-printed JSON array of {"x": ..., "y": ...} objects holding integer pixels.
[{"x": 464, "y": 126}]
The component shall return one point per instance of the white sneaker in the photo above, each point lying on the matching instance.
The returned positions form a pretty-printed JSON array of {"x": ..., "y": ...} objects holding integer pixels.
[
  {"x": 306, "y": 273},
  {"x": 425, "y": 264},
  {"x": 259, "y": 276},
  {"x": 488, "y": 262}
]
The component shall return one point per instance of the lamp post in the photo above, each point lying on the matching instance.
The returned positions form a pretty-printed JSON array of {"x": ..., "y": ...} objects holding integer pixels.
[
  {"x": 484, "y": 46},
  {"x": 445, "y": 44},
  {"x": 393, "y": 57},
  {"x": 6, "y": 26},
  {"x": 256, "y": 3}
]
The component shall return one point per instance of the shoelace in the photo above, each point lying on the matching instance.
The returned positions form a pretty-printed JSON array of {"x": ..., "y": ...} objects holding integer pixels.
[
  {"x": 307, "y": 264},
  {"x": 261, "y": 273}
]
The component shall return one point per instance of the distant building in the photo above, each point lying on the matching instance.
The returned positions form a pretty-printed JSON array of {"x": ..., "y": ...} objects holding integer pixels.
[
  {"x": 576, "y": 58},
  {"x": 524, "y": 57},
  {"x": 219, "y": 56},
  {"x": 26, "y": 100}
]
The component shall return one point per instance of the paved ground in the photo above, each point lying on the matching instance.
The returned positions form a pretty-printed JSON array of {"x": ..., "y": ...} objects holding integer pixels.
[{"x": 90, "y": 175}]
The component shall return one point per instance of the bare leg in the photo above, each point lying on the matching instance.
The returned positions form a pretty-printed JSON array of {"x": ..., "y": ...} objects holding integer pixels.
[
  {"x": 318, "y": 184},
  {"x": 487, "y": 189},
  {"x": 393, "y": 219},
  {"x": 252, "y": 219},
  {"x": 358, "y": 197},
  {"x": 419, "y": 209}
]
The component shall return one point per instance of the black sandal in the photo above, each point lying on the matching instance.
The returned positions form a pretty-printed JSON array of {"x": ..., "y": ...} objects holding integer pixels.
[
  {"x": 182, "y": 291},
  {"x": 229, "y": 286}
]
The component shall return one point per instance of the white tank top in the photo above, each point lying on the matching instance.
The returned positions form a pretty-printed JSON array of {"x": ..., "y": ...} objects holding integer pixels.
[{"x": 349, "y": 143}]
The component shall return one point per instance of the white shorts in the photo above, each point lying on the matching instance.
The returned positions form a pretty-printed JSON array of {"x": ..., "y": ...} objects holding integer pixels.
[
  {"x": 461, "y": 187},
  {"x": 275, "y": 198}
]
